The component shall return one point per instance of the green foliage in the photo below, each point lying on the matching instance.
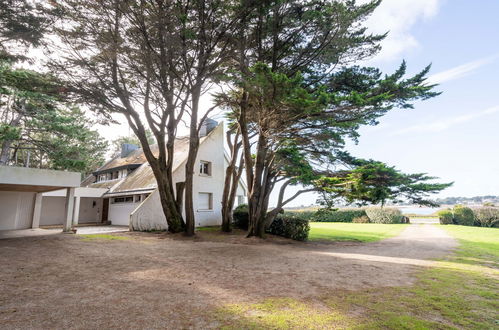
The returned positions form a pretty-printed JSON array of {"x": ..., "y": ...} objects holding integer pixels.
[
  {"x": 305, "y": 215},
  {"x": 486, "y": 216},
  {"x": 131, "y": 139},
  {"x": 290, "y": 226},
  {"x": 36, "y": 119},
  {"x": 446, "y": 217},
  {"x": 338, "y": 215},
  {"x": 384, "y": 215},
  {"x": 376, "y": 183},
  {"x": 463, "y": 215},
  {"x": 362, "y": 219},
  {"x": 240, "y": 217}
]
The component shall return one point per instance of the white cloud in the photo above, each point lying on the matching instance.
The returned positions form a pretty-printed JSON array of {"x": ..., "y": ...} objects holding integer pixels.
[
  {"x": 445, "y": 123},
  {"x": 397, "y": 17},
  {"x": 459, "y": 71}
]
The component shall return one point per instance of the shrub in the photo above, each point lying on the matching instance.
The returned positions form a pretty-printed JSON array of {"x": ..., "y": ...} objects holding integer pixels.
[
  {"x": 305, "y": 215},
  {"x": 384, "y": 215},
  {"x": 290, "y": 226},
  {"x": 339, "y": 215},
  {"x": 487, "y": 216},
  {"x": 445, "y": 217},
  {"x": 240, "y": 217},
  {"x": 362, "y": 219},
  {"x": 463, "y": 215}
]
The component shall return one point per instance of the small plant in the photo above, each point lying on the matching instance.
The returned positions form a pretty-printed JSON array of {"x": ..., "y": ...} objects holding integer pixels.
[{"x": 446, "y": 217}]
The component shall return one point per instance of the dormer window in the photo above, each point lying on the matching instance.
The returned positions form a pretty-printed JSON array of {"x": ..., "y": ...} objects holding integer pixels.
[{"x": 205, "y": 168}]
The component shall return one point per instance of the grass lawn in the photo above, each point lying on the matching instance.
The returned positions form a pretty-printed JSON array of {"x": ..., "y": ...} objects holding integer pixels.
[
  {"x": 361, "y": 232},
  {"x": 461, "y": 291},
  {"x": 91, "y": 237}
]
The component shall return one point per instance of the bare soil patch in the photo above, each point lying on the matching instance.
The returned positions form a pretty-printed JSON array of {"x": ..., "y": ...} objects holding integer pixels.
[{"x": 170, "y": 281}]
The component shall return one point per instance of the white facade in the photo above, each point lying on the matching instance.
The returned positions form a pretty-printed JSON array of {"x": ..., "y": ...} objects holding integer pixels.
[
  {"x": 131, "y": 199},
  {"x": 21, "y": 199},
  {"x": 16, "y": 209},
  {"x": 149, "y": 214}
]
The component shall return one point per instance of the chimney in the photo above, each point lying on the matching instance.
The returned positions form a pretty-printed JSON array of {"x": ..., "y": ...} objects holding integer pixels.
[
  {"x": 127, "y": 148},
  {"x": 207, "y": 126}
]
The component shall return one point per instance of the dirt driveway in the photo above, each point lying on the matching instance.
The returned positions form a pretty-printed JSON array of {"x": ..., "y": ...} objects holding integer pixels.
[{"x": 167, "y": 281}]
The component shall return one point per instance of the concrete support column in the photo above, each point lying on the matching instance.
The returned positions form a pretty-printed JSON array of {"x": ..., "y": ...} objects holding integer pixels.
[
  {"x": 37, "y": 211},
  {"x": 76, "y": 212},
  {"x": 68, "y": 217}
]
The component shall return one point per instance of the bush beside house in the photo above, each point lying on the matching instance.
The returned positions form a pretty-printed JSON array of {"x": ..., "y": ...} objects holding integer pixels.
[{"x": 294, "y": 225}]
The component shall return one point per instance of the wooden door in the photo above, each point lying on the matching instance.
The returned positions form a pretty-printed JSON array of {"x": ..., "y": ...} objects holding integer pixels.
[{"x": 105, "y": 209}]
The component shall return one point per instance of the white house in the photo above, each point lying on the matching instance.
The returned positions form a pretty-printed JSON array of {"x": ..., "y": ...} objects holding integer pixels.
[{"x": 124, "y": 190}]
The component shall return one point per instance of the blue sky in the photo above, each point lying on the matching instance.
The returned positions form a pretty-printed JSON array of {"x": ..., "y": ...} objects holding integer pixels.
[{"x": 454, "y": 136}]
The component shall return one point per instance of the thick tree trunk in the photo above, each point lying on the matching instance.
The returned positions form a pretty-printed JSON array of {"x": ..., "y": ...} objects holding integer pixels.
[
  {"x": 5, "y": 152},
  {"x": 232, "y": 177},
  {"x": 190, "y": 218}
]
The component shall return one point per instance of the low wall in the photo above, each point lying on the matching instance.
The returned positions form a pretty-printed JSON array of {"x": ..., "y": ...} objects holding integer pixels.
[{"x": 149, "y": 215}]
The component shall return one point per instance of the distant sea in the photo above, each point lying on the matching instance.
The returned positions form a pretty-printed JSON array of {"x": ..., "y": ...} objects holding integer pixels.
[{"x": 417, "y": 210}]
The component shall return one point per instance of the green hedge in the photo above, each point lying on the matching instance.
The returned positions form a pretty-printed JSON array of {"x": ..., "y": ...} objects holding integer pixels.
[
  {"x": 463, "y": 216},
  {"x": 290, "y": 226},
  {"x": 339, "y": 215},
  {"x": 240, "y": 218},
  {"x": 486, "y": 216},
  {"x": 385, "y": 215},
  {"x": 445, "y": 217}
]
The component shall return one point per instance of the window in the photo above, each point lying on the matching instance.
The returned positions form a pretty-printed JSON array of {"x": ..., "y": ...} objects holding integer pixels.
[
  {"x": 240, "y": 199},
  {"x": 205, "y": 201},
  {"x": 137, "y": 198},
  {"x": 205, "y": 168},
  {"x": 123, "y": 199}
]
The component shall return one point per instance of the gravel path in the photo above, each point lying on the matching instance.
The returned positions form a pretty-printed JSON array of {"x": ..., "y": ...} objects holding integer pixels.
[{"x": 166, "y": 281}]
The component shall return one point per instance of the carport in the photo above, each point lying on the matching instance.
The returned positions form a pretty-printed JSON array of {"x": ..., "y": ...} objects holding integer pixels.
[{"x": 21, "y": 192}]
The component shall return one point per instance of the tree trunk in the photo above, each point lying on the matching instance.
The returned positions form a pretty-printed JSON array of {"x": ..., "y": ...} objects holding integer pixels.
[
  {"x": 5, "y": 152},
  {"x": 232, "y": 177},
  {"x": 190, "y": 218}
]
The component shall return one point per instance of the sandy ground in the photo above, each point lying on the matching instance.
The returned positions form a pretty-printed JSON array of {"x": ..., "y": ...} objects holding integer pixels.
[{"x": 168, "y": 281}]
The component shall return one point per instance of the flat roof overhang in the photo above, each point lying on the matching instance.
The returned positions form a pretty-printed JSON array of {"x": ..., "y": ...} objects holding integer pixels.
[{"x": 36, "y": 180}]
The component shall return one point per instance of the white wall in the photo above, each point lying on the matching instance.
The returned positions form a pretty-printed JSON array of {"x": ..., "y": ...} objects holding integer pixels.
[
  {"x": 90, "y": 212},
  {"x": 212, "y": 150},
  {"x": 53, "y": 210},
  {"x": 149, "y": 215},
  {"x": 16, "y": 209},
  {"x": 119, "y": 214}
]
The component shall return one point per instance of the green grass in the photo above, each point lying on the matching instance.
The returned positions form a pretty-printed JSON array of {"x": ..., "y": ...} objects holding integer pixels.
[
  {"x": 209, "y": 228},
  {"x": 460, "y": 291},
  {"x": 360, "y": 232},
  {"x": 91, "y": 237}
]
